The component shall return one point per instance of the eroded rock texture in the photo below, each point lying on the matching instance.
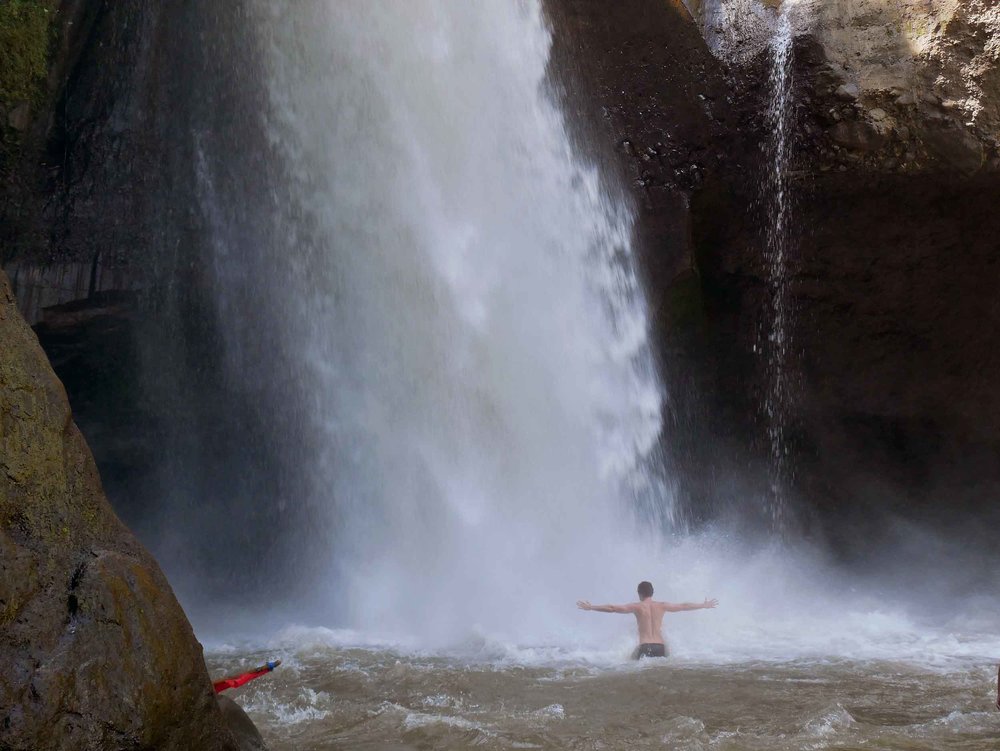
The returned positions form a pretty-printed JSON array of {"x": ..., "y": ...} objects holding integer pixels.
[
  {"x": 96, "y": 651},
  {"x": 895, "y": 241},
  {"x": 894, "y": 183},
  {"x": 924, "y": 76}
]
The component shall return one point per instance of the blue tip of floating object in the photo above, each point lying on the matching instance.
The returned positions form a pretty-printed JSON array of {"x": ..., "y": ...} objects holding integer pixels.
[{"x": 273, "y": 664}]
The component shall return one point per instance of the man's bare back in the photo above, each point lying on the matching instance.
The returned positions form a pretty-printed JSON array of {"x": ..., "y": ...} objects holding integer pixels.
[{"x": 648, "y": 613}]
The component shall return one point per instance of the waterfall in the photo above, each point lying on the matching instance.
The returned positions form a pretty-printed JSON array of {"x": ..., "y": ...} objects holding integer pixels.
[
  {"x": 738, "y": 31},
  {"x": 460, "y": 361},
  {"x": 777, "y": 201}
]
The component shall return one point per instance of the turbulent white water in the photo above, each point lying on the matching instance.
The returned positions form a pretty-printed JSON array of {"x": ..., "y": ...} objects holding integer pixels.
[
  {"x": 466, "y": 328},
  {"x": 777, "y": 604},
  {"x": 793, "y": 658}
]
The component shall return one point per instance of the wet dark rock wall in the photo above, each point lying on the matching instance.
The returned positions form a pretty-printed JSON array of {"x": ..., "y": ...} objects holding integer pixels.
[
  {"x": 892, "y": 419},
  {"x": 894, "y": 414},
  {"x": 113, "y": 264}
]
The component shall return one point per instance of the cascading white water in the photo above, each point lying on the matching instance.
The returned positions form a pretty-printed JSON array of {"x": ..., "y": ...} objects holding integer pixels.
[
  {"x": 466, "y": 327},
  {"x": 777, "y": 201}
]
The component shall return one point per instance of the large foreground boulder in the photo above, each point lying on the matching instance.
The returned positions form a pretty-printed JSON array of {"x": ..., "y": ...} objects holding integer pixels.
[{"x": 96, "y": 652}]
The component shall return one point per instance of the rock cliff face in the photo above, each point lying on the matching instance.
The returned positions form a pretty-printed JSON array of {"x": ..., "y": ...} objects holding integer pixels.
[
  {"x": 919, "y": 82},
  {"x": 647, "y": 99},
  {"x": 894, "y": 177},
  {"x": 96, "y": 651},
  {"x": 894, "y": 183}
]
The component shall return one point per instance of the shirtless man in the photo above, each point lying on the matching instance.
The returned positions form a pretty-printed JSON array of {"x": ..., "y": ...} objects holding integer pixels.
[{"x": 649, "y": 618}]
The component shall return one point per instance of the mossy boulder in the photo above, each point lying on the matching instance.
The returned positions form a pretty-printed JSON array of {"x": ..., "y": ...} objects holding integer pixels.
[
  {"x": 25, "y": 36},
  {"x": 97, "y": 652}
]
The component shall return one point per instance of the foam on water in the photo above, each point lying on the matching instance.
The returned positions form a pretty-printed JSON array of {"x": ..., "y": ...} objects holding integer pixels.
[
  {"x": 307, "y": 706},
  {"x": 420, "y": 719},
  {"x": 332, "y": 691},
  {"x": 776, "y": 606},
  {"x": 832, "y": 722}
]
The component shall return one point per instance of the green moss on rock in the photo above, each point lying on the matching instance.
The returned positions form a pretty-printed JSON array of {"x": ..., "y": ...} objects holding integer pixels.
[
  {"x": 27, "y": 33},
  {"x": 96, "y": 648},
  {"x": 25, "y": 40}
]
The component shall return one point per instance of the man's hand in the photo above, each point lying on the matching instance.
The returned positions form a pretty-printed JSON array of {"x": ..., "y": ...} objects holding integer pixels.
[
  {"x": 710, "y": 603},
  {"x": 584, "y": 605}
]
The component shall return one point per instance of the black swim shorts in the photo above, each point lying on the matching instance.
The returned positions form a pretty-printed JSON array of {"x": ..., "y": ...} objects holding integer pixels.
[{"x": 649, "y": 650}]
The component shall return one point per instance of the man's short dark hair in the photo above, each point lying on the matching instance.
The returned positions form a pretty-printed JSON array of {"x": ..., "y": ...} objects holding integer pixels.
[{"x": 645, "y": 590}]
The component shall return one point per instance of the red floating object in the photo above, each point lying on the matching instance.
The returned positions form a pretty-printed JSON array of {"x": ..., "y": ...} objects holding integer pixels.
[{"x": 238, "y": 680}]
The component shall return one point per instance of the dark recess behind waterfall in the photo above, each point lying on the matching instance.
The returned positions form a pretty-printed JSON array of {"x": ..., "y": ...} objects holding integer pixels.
[
  {"x": 206, "y": 461},
  {"x": 201, "y": 445}
]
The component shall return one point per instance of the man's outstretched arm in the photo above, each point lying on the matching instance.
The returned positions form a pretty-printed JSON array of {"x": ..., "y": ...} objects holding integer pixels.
[
  {"x": 677, "y": 607},
  {"x": 584, "y": 605}
]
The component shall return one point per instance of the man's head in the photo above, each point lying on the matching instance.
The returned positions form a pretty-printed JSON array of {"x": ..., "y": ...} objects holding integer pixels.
[{"x": 645, "y": 590}]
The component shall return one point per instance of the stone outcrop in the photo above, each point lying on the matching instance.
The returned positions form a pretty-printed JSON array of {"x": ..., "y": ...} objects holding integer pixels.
[
  {"x": 899, "y": 88},
  {"x": 898, "y": 84},
  {"x": 241, "y": 725},
  {"x": 97, "y": 653},
  {"x": 923, "y": 79}
]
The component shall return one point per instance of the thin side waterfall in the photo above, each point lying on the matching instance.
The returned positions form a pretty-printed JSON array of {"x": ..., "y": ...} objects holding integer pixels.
[
  {"x": 738, "y": 31},
  {"x": 463, "y": 329},
  {"x": 778, "y": 246}
]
